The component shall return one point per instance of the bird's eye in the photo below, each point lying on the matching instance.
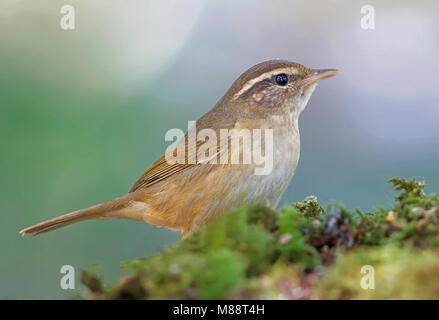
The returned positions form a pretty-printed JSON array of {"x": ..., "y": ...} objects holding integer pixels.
[{"x": 281, "y": 79}]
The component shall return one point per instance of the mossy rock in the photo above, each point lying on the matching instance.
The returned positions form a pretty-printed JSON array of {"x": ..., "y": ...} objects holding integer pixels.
[{"x": 303, "y": 251}]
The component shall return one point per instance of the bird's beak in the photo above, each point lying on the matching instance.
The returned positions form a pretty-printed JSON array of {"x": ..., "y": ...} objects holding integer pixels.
[{"x": 319, "y": 74}]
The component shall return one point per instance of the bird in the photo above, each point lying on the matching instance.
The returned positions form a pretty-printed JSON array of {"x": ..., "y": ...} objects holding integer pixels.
[{"x": 185, "y": 195}]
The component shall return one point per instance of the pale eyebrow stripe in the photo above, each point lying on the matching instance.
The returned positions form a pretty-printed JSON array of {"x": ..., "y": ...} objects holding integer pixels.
[{"x": 264, "y": 76}]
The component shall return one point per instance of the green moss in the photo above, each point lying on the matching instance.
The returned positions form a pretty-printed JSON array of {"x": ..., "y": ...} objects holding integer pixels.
[
  {"x": 400, "y": 273},
  {"x": 300, "y": 251},
  {"x": 309, "y": 207},
  {"x": 292, "y": 236},
  {"x": 411, "y": 188}
]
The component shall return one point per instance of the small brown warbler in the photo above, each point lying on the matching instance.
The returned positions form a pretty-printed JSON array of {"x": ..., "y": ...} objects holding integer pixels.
[{"x": 184, "y": 195}]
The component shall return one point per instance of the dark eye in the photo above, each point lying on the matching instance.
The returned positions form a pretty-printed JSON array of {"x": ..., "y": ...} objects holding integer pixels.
[{"x": 281, "y": 79}]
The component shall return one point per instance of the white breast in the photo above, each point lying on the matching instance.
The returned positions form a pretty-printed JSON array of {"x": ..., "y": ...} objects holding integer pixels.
[
  {"x": 244, "y": 187},
  {"x": 268, "y": 189}
]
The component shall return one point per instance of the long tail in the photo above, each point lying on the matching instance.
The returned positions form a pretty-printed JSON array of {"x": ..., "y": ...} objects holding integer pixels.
[{"x": 120, "y": 208}]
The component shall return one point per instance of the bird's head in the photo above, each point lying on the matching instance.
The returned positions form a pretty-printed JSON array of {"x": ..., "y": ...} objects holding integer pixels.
[{"x": 274, "y": 87}]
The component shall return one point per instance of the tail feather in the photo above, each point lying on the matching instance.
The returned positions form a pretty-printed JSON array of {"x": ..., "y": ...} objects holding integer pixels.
[{"x": 119, "y": 208}]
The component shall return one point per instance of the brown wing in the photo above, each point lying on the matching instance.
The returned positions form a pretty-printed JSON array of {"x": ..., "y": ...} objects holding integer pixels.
[{"x": 161, "y": 169}]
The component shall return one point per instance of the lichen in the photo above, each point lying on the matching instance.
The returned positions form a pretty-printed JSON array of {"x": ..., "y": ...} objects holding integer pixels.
[{"x": 302, "y": 251}]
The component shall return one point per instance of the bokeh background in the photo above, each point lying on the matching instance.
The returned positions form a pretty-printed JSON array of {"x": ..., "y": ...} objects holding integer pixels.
[{"x": 84, "y": 112}]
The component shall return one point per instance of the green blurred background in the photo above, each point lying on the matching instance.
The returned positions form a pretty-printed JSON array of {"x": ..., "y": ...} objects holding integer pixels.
[{"x": 84, "y": 112}]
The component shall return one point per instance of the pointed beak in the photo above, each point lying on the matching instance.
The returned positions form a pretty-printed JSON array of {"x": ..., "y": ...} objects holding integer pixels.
[{"x": 319, "y": 74}]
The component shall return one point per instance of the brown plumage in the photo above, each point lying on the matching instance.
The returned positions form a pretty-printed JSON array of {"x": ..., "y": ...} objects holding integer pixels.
[{"x": 185, "y": 196}]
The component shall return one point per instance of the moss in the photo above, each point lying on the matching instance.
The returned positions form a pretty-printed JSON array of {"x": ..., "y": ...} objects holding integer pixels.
[
  {"x": 309, "y": 207},
  {"x": 299, "y": 252},
  {"x": 400, "y": 273}
]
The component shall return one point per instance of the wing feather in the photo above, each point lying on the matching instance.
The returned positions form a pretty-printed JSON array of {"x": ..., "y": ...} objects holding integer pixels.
[{"x": 162, "y": 169}]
